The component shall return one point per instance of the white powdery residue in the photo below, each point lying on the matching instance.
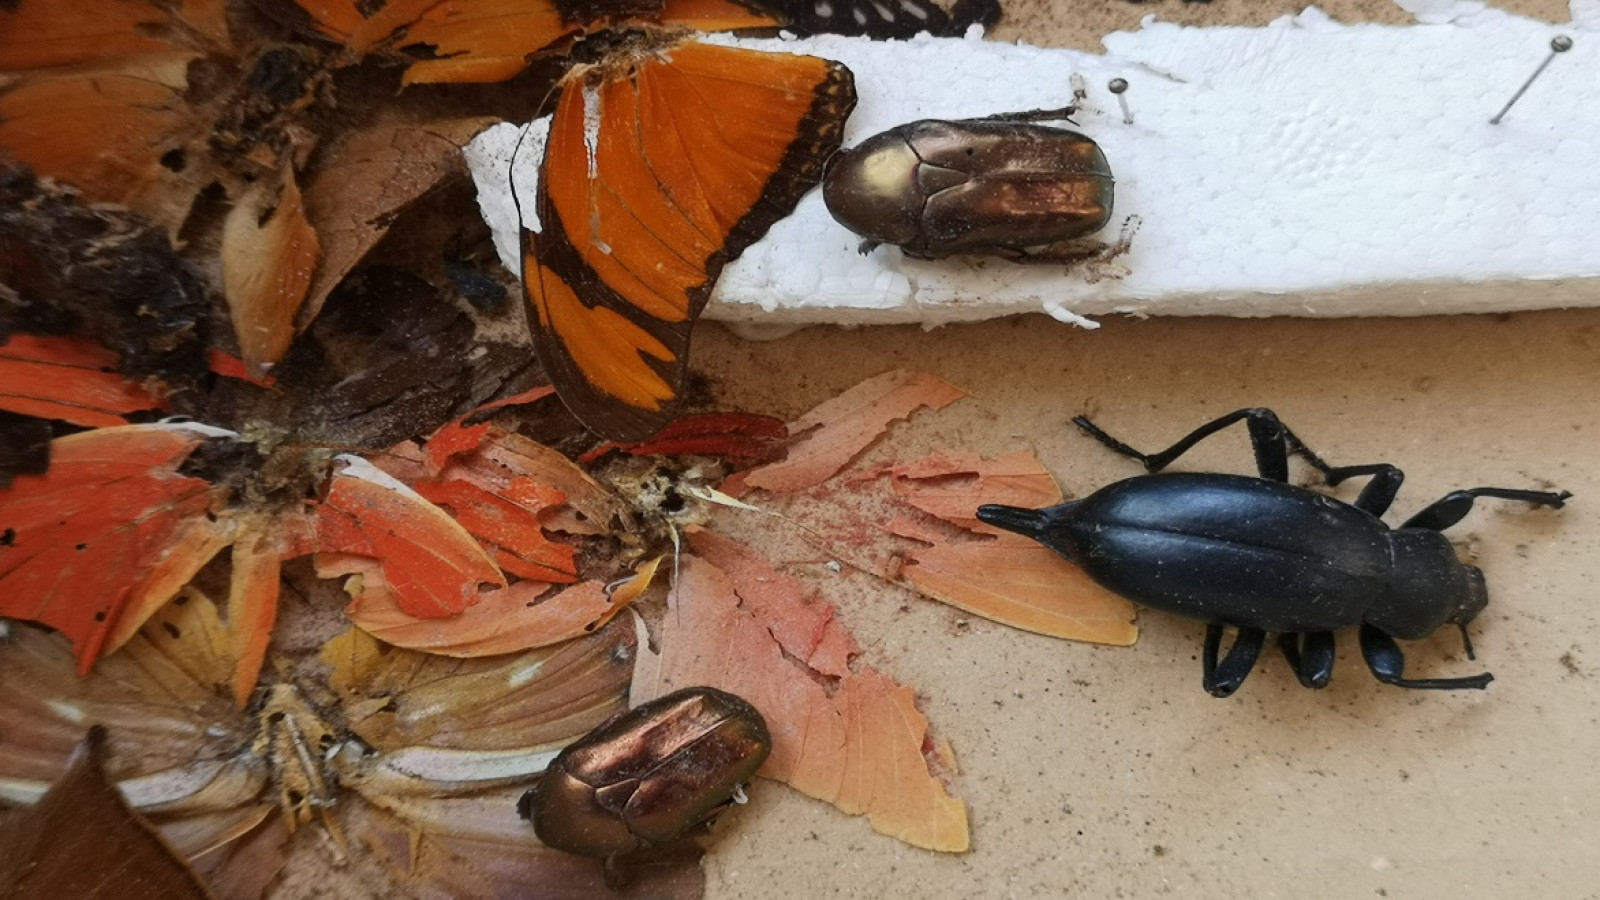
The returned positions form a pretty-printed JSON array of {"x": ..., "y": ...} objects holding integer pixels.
[
  {"x": 591, "y": 127},
  {"x": 197, "y": 429},
  {"x": 504, "y": 161},
  {"x": 525, "y": 675}
]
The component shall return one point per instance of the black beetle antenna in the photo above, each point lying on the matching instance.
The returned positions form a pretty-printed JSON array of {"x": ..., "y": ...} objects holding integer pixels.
[{"x": 1466, "y": 640}]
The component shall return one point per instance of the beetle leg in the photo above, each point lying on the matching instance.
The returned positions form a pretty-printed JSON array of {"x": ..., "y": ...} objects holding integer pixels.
[
  {"x": 1222, "y": 680},
  {"x": 1388, "y": 664},
  {"x": 1454, "y": 506},
  {"x": 1066, "y": 253},
  {"x": 1378, "y": 493},
  {"x": 1268, "y": 438},
  {"x": 1311, "y": 656}
]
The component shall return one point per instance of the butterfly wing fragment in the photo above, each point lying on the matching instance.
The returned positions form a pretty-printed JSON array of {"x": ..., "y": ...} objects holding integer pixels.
[
  {"x": 68, "y": 378},
  {"x": 840, "y": 428},
  {"x": 659, "y": 170},
  {"x": 1001, "y": 578},
  {"x": 507, "y": 620},
  {"x": 478, "y": 846},
  {"x": 537, "y": 699},
  {"x": 361, "y": 183},
  {"x": 175, "y": 740},
  {"x": 82, "y": 840},
  {"x": 859, "y": 744},
  {"x": 98, "y": 97},
  {"x": 269, "y": 255},
  {"x": 81, "y": 539},
  {"x": 457, "y": 741},
  {"x": 432, "y": 564}
]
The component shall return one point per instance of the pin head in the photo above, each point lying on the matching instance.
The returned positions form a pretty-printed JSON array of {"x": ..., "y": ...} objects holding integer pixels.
[
  {"x": 1558, "y": 44},
  {"x": 1118, "y": 85}
]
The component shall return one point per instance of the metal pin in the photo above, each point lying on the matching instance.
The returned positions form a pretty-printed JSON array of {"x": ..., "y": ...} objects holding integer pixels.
[
  {"x": 1119, "y": 86},
  {"x": 1558, "y": 44}
]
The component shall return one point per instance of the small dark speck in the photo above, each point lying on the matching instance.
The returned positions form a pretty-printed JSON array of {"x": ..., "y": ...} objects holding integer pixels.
[
  {"x": 100, "y": 616},
  {"x": 1570, "y": 663},
  {"x": 1382, "y": 892},
  {"x": 1159, "y": 851},
  {"x": 80, "y": 547},
  {"x": 1404, "y": 775},
  {"x": 8, "y": 537},
  {"x": 171, "y": 629}
]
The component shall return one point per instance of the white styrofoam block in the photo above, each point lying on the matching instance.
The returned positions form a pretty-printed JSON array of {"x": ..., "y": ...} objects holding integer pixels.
[{"x": 1303, "y": 168}]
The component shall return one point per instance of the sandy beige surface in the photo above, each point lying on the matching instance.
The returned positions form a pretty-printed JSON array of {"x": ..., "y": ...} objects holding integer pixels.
[
  {"x": 1108, "y": 772},
  {"x": 1105, "y": 772}
]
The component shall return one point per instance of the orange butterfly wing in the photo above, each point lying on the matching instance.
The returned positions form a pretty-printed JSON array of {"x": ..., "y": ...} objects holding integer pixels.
[
  {"x": 687, "y": 156},
  {"x": 492, "y": 40}
]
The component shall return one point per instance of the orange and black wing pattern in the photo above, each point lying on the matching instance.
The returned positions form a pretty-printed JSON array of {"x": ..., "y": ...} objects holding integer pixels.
[{"x": 661, "y": 166}]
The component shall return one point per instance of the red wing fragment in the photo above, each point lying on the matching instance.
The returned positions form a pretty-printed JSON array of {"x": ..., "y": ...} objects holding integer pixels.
[
  {"x": 70, "y": 379},
  {"x": 79, "y": 540},
  {"x": 740, "y": 439},
  {"x": 844, "y": 426},
  {"x": 433, "y": 565},
  {"x": 458, "y": 437},
  {"x": 510, "y": 531}
]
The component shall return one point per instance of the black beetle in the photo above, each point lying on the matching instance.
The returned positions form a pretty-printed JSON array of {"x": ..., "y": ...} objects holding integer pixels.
[
  {"x": 1005, "y": 185},
  {"x": 1262, "y": 555},
  {"x": 644, "y": 777}
]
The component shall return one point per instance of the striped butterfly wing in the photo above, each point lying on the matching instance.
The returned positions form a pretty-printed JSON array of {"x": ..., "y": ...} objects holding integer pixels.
[{"x": 660, "y": 168}]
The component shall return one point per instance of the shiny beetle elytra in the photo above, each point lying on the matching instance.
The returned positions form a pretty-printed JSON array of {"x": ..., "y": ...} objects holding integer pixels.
[
  {"x": 1007, "y": 185},
  {"x": 1261, "y": 555},
  {"x": 644, "y": 777}
]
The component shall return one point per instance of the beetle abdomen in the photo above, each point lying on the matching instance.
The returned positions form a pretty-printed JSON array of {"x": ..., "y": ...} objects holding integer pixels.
[{"x": 1233, "y": 550}]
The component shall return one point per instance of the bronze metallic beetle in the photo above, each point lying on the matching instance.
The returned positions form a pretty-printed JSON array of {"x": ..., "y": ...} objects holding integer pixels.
[
  {"x": 644, "y": 777},
  {"x": 1007, "y": 185}
]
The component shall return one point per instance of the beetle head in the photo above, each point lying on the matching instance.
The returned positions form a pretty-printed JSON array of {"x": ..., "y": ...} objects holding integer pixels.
[
  {"x": 872, "y": 188},
  {"x": 1474, "y": 599}
]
